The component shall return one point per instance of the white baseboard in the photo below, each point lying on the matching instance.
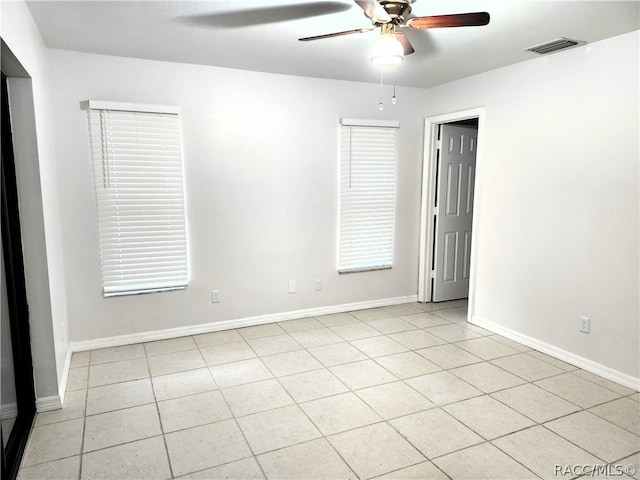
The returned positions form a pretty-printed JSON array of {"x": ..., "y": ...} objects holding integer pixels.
[
  {"x": 8, "y": 410},
  {"x": 581, "y": 362},
  {"x": 62, "y": 385},
  {"x": 54, "y": 402},
  {"x": 44, "y": 404},
  {"x": 230, "y": 324}
]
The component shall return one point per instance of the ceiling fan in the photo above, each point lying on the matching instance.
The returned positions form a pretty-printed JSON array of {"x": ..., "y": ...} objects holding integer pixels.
[{"x": 392, "y": 15}]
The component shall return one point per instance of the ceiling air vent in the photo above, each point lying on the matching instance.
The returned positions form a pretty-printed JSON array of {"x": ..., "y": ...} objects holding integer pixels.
[{"x": 554, "y": 46}]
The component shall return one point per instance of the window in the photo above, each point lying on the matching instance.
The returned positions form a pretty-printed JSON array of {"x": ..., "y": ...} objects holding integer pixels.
[
  {"x": 368, "y": 152},
  {"x": 137, "y": 163}
]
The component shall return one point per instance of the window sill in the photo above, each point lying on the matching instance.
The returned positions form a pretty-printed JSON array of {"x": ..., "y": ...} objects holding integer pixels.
[{"x": 364, "y": 269}]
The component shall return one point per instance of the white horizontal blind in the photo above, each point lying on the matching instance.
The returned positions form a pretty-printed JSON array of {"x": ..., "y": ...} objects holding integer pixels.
[
  {"x": 137, "y": 162},
  {"x": 367, "y": 196}
]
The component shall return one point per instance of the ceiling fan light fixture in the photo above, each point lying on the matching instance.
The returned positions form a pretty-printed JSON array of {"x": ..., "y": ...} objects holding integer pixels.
[{"x": 387, "y": 51}]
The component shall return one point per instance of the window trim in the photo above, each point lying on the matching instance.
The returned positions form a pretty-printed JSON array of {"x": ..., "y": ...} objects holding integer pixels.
[
  {"x": 133, "y": 107},
  {"x": 356, "y": 122}
]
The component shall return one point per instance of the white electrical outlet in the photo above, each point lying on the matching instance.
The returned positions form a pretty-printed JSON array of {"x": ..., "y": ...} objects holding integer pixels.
[
  {"x": 215, "y": 296},
  {"x": 292, "y": 286},
  {"x": 585, "y": 324},
  {"x": 317, "y": 284}
]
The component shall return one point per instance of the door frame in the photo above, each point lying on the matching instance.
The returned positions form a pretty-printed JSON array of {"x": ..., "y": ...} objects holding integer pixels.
[
  {"x": 429, "y": 179},
  {"x": 49, "y": 335},
  {"x": 17, "y": 300}
]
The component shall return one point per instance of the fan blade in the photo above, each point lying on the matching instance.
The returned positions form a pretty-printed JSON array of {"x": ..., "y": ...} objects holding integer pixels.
[
  {"x": 406, "y": 44},
  {"x": 336, "y": 34},
  {"x": 374, "y": 11},
  {"x": 267, "y": 15},
  {"x": 476, "y": 19}
]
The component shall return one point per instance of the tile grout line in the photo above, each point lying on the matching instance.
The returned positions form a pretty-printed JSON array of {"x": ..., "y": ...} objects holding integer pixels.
[
  {"x": 233, "y": 416},
  {"x": 322, "y": 435},
  {"x": 235, "y": 419},
  {"x": 84, "y": 420},
  {"x": 575, "y": 444},
  {"x": 155, "y": 398},
  {"x": 354, "y": 392},
  {"x": 298, "y": 405}
]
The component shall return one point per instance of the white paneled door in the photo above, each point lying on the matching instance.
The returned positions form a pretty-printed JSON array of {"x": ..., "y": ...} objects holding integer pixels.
[{"x": 454, "y": 211}]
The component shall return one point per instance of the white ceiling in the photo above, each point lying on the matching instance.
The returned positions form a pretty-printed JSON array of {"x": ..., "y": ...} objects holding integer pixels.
[{"x": 248, "y": 34}]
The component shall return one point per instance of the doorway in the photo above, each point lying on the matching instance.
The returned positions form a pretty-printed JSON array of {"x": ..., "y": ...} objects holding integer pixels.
[
  {"x": 17, "y": 395},
  {"x": 453, "y": 209},
  {"x": 447, "y": 254}
]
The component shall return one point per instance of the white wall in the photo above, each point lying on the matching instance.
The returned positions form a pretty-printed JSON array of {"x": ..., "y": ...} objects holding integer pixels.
[
  {"x": 261, "y": 170},
  {"x": 558, "y": 215},
  {"x": 558, "y": 225},
  {"x": 37, "y": 192}
]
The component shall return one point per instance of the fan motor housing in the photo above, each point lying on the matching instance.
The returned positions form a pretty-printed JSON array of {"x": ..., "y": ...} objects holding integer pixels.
[{"x": 398, "y": 10}]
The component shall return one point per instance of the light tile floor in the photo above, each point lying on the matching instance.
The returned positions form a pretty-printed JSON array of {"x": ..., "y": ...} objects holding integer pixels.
[{"x": 404, "y": 392}]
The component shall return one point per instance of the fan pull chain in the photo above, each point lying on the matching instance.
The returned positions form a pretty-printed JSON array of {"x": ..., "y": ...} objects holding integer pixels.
[
  {"x": 380, "y": 105},
  {"x": 394, "y": 99}
]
